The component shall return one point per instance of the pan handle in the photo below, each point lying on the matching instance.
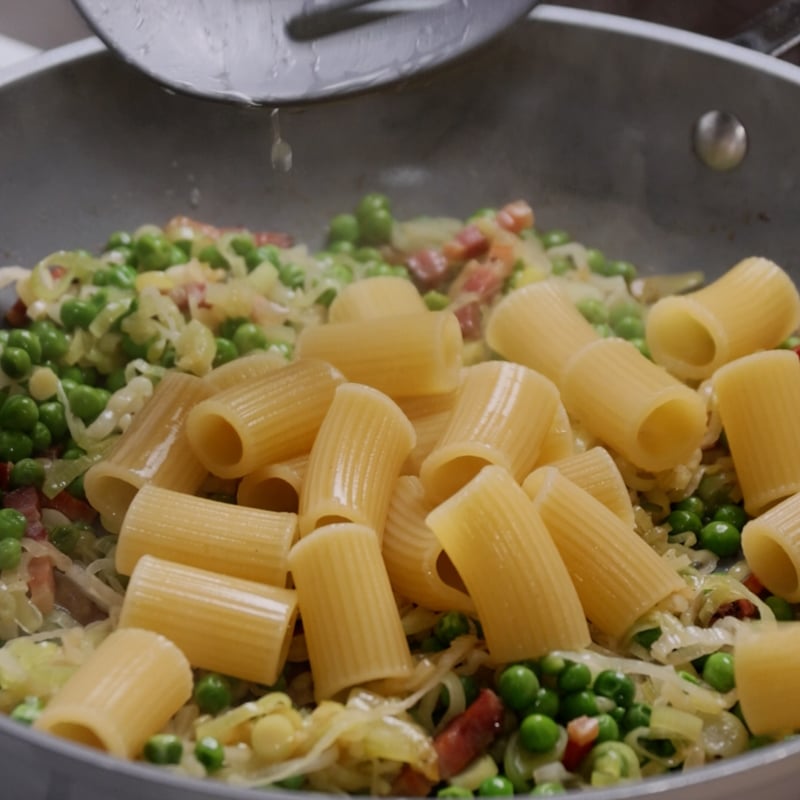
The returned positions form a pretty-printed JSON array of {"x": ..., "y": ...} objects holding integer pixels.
[{"x": 774, "y": 31}]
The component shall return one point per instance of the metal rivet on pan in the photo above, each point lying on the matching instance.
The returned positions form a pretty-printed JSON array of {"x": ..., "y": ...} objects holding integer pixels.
[{"x": 720, "y": 140}]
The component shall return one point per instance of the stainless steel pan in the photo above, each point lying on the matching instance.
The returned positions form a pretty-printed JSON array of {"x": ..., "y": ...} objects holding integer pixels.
[{"x": 590, "y": 117}]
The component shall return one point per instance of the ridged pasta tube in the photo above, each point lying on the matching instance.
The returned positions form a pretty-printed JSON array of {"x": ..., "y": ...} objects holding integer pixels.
[
  {"x": 758, "y": 397},
  {"x": 619, "y": 577},
  {"x": 502, "y": 415},
  {"x": 539, "y": 326},
  {"x": 525, "y": 598},
  {"x": 753, "y": 306},
  {"x": 229, "y": 625},
  {"x": 154, "y": 449},
  {"x": 125, "y": 692},
  {"x": 632, "y": 405},
  {"x": 771, "y": 545},
  {"x": 381, "y": 296},
  {"x": 350, "y": 619},
  {"x": 263, "y": 421},
  {"x": 275, "y": 487}
]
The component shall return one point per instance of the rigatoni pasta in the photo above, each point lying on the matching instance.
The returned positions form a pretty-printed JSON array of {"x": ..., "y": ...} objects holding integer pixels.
[
  {"x": 274, "y": 487},
  {"x": 154, "y": 449},
  {"x": 559, "y": 441},
  {"x": 350, "y": 619},
  {"x": 496, "y": 539},
  {"x": 125, "y": 691},
  {"x": 381, "y": 296},
  {"x": 617, "y": 575},
  {"x": 243, "y": 542},
  {"x": 253, "y": 366},
  {"x": 402, "y": 356},
  {"x": 771, "y": 545},
  {"x": 418, "y": 567},
  {"x": 753, "y": 306},
  {"x": 758, "y": 397},
  {"x": 502, "y": 414},
  {"x": 634, "y": 406},
  {"x": 262, "y": 421},
  {"x": 356, "y": 458},
  {"x": 230, "y": 625}
]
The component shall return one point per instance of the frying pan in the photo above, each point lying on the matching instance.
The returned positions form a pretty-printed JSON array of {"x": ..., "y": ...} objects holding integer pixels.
[{"x": 587, "y": 116}]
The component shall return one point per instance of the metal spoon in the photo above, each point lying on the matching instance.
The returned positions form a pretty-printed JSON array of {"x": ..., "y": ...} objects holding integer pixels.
[{"x": 284, "y": 52}]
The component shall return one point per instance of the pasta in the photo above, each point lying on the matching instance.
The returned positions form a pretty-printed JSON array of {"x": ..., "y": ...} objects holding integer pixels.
[
  {"x": 125, "y": 692},
  {"x": 757, "y": 397},
  {"x": 233, "y": 540},
  {"x": 516, "y": 517},
  {"x": 486, "y": 426},
  {"x": 259, "y": 422},
  {"x": 352, "y": 626},
  {"x": 490, "y": 521},
  {"x": 753, "y": 306},
  {"x": 231, "y": 625},
  {"x": 154, "y": 449},
  {"x": 362, "y": 443}
]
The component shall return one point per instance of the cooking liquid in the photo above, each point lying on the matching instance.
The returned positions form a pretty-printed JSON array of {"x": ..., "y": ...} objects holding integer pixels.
[{"x": 281, "y": 151}]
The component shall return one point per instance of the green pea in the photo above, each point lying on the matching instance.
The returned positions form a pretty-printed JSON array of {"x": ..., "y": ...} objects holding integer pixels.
[
  {"x": 483, "y": 213},
  {"x": 291, "y": 275},
  {"x": 451, "y": 625},
  {"x": 693, "y": 504},
  {"x": 551, "y": 665},
  {"x": 714, "y": 490},
  {"x": 604, "y": 330},
  {"x": 496, "y": 786},
  {"x": 28, "y": 341},
  {"x": 608, "y": 729},
  {"x": 77, "y": 488},
  {"x": 782, "y": 609},
  {"x": 637, "y": 716},
  {"x": 430, "y": 644},
  {"x": 539, "y": 733},
  {"x": 593, "y": 309},
  {"x": 12, "y": 524},
  {"x": 375, "y": 227},
  {"x": 682, "y": 521},
  {"x": 212, "y": 693},
  {"x": 70, "y": 537},
  {"x": 53, "y": 340},
  {"x": 436, "y": 301},
  {"x": 647, "y": 637},
  {"x": 642, "y": 346},
  {"x": 372, "y": 201},
  {"x": 123, "y": 276},
  {"x": 327, "y": 297},
  {"x": 718, "y": 672},
  {"x": 365, "y": 254},
  {"x": 266, "y": 252},
  {"x": 630, "y": 328},
  {"x": 249, "y": 337},
  {"x": 622, "y": 310},
  {"x": 574, "y": 678},
  {"x": 454, "y": 791},
  {"x": 293, "y": 783},
  {"x": 228, "y": 326},
  {"x": 119, "y": 239},
  {"x": 10, "y": 553},
  {"x": 163, "y": 748},
  {"x": 212, "y": 256},
  {"x": 52, "y": 414},
  {"x": 115, "y": 380},
  {"x": 15, "y": 362},
  {"x": 344, "y": 228},
  {"x": 378, "y": 269},
  {"x": 616, "y": 685},
  {"x": 153, "y": 252},
  {"x": 578, "y": 704},
  {"x": 15, "y": 445},
  {"x": 242, "y": 244},
  {"x": 226, "y": 351},
  {"x": 87, "y": 402},
  {"x": 19, "y": 413},
  {"x": 27, "y": 472},
  {"x": 28, "y": 711},
  {"x": 342, "y": 247},
  {"x": 77, "y": 313},
  {"x": 518, "y": 686},
  {"x": 596, "y": 261},
  {"x": 101, "y": 278},
  {"x": 622, "y": 268},
  {"x": 210, "y": 753},
  {"x": 119, "y": 256},
  {"x": 561, "y": 265},
  {"x": 554, "y": 238},
  {"x": 732, "y": 514},
  {"x": 545, "y": 702},
  {"x": 548, "y": 789},
  {"x": 721, "y": 538},
  {"x": 755, "y": 742}
]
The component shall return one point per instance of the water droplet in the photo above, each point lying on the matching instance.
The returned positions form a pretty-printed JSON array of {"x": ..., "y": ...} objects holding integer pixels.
[
  {"x": 194, "y": 197},
  {"x": 281, "y": 151},
  {"x": 720, "y": 140}
]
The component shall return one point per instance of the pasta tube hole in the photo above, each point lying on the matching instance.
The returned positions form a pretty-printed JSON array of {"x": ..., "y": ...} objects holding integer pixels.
[
  {"x": 216, "y": 440},
  {"x": 769, "y": 559},
  {"x": 271, "y": 494},
  {"x": 449, "y": 574},
  {"x": 111, "y": 496},
  {"x": 447, "y": 477},
  {"x": 664, "y": 429},
  {"x": 82, "y": 734},
  {"x": 682, "y": 337}
]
